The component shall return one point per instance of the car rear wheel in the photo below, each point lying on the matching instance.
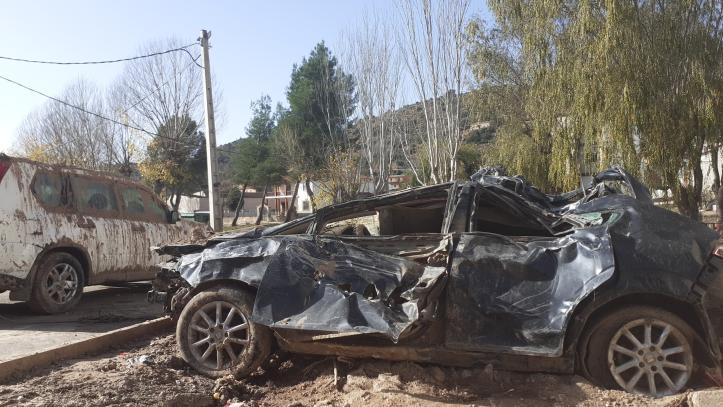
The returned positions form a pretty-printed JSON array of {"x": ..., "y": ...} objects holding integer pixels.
[
  {"x": 216, "y": 336},
  {"x": 58, "y": 284},
  {"x": 641, "y": 350}
]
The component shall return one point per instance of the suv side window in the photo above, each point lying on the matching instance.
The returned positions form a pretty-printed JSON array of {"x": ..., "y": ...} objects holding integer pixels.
[
  {"x": 48, "y": 189},
  {"x": 132, "y": 201},
  {"x": 139, "y": 204},
  {"x": 94, "y": 196}
]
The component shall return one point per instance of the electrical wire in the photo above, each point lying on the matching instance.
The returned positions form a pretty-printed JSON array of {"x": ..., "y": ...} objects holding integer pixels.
[
  {"x": 76, "y": 107},
  {"x": 110, "y": 61},
  {"x": 100, "y": 116}
]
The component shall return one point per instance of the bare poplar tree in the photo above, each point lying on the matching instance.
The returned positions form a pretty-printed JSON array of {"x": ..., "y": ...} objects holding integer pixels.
[
  {"x": 165, "y": 96},
  {"x": 372, "y": 58},
  {"x": 434, "y": 51},
  {"x": 61, "y": 134},
  {"x": 125, "y": 143},
  {"x": 163, "y": 90}
]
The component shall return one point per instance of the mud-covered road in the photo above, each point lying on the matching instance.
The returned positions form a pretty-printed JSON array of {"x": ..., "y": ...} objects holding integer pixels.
[
  {"x": 102, "y": 309},
  {"x": 150, "y": 373}
]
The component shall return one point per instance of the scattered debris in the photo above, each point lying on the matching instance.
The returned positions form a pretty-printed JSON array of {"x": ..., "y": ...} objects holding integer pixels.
[
  {"x": 140, "y": 360},
  {"x": 109, "y": 380}
]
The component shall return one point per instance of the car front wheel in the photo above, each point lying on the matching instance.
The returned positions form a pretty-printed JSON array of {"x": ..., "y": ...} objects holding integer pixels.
[
  {"x": 641, "y": 350},
  {"x": 215, "y": 335}
]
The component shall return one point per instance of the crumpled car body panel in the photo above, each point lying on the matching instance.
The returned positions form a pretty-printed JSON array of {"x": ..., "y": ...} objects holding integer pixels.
[
  {"x": 321, "y": 285},
  {"x": 517, "y": 296}
]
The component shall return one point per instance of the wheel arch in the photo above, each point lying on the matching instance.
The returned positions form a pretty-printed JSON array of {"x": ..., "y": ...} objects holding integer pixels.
[
  {"x": 178, "y": 306},
  {"x": 77, "y": 251},
  {"x": 74, "y": 250},
  {"x": 226, "y": 282},
  {"x": 594, "y": 309}
]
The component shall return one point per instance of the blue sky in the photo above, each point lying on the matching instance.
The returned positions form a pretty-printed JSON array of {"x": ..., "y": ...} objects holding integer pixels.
[{"x": 255, "y": 44}]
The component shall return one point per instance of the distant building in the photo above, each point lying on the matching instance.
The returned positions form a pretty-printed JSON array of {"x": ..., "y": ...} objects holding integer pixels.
[{"x": 303, "y": 199}]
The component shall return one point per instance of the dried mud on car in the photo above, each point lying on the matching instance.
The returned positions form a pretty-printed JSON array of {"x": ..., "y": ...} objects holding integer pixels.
[{"x": 151, "y": 373}]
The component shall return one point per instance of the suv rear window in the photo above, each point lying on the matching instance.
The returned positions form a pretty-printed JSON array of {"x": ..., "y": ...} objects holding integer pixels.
[
  {"x": 48, "y": 189},
  {"x": 94, "y": 195}
]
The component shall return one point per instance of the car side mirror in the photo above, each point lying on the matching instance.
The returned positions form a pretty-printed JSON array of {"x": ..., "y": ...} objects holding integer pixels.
[{"x": 173, "y": 216}]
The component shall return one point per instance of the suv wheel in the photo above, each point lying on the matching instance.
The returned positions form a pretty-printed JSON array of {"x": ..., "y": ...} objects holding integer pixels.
[
  {"x": 641, "y": 350},
  {"x": 216, "y": 336},
  {"x": 58, "y": 284}
]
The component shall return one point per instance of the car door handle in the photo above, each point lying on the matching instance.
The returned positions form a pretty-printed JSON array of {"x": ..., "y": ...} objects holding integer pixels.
[{"x": 138, "y": 228}]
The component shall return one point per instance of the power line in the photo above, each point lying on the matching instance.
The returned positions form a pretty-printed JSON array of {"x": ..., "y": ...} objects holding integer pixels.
[
  {"x": 100, "y": 116},
  {"x": 110, "y": 61},
  {"x": 75, "y": 107}
]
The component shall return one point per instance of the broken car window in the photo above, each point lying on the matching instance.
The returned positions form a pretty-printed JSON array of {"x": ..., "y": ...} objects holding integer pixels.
[
  {"x": 94, "y": 195},
  {"x": 416, "y": 217},
  {"x": 366, "y": 224},
  {"x": 48, "y": 188},
  {"x": 492, "y": 216}
]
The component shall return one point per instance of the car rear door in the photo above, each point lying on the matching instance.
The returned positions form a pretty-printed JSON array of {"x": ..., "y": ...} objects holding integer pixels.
[
  {"x": 516, "y": 294},
  {"x": 105, "y": 235},
  {"x": 144, "y": 218}
]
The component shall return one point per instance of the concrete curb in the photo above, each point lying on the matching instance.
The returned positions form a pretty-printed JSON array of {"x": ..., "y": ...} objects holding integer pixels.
[{"x": 10, "y": 368}]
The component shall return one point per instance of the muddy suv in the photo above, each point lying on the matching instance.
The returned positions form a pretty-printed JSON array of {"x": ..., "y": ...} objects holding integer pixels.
[{"x": 62, "y": 229}]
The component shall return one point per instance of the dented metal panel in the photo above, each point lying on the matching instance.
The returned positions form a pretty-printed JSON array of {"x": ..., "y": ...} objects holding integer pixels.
[
  {"x": 517, "y": 296},
  {"x": 320, "y": 284}
]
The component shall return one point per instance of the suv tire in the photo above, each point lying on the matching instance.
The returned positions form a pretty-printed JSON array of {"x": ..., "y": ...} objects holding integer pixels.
[{"x": 58, "y": 284}]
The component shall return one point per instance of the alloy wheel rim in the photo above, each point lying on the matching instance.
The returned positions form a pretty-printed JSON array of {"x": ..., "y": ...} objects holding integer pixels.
[
  {"x": 218, "y": 334},
  {"x": 61, "y": 284},
  {"x": 649, "y": 356}
]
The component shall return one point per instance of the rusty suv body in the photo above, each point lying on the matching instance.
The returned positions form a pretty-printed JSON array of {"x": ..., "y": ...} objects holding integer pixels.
[
  {"x": 598, "y": 280},
  {"x": 64, "y": 228}
]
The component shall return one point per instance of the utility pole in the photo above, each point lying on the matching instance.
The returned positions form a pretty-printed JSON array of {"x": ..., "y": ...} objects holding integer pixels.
[{"x": 214, "y": 201}]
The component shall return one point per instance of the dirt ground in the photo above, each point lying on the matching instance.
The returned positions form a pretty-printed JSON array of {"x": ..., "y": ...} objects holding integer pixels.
[{"x": 150, "y": 373}]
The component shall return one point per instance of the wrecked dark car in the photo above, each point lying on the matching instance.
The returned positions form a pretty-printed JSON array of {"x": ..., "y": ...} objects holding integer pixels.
[{"x": 597, "y": 281}]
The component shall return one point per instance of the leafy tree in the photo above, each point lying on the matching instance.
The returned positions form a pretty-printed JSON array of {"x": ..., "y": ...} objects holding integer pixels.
[
  {"x": 263, "y": 121},
  {"x": 611, "y": 82},
  {"x": 255, "y": 162},
  {"x": 176, "y": 159},
  {"x": 321, "y": 99},
  {"x": 469, "y": 160},
  {"x": 233, "y": 199}
]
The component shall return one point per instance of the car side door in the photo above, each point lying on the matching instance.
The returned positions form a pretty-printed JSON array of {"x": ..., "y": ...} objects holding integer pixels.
[
  {"x": 513, "y": 292},
  {"x": 105, "y": 234}
]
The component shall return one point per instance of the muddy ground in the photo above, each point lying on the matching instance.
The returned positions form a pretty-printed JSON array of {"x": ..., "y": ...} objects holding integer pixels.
[{"x": 150, "y": 373}]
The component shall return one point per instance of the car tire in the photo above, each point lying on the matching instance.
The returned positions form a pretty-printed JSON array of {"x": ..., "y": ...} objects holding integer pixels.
[
  {"x": 639, "y": 349},
  {"x": 208, "y": 331},
  {"x": 58, "y": 284}
]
